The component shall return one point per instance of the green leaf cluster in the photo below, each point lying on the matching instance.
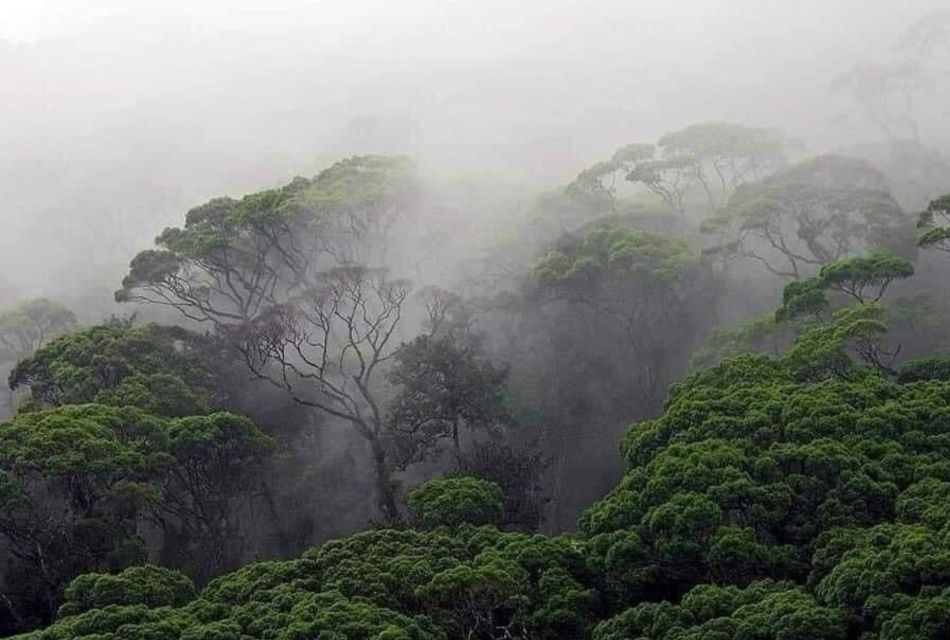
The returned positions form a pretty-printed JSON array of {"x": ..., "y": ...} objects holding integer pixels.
[
  {"x": 449, "y": 502},
  {"x": 156, "y": 368}
]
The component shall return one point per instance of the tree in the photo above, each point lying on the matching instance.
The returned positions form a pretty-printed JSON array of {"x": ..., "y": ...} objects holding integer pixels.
[
  {"x": 159, "y": 369},
  {"x": 201, "y": 475},
  {"x": 235, "y": 259},
  {"x": 359, "y": 200},
  {"x": 824, "y": 351},
  {"x": 78, "y": 479},
  {"x": 27, "y": 327},
  {"x": 610, "y": 314},
  {"x": 209, "y": 483},
  {"x": 518, "y": 471},
  {"x": 231, "y": 260},
  {"x": 714, "y": 156},
  {"x": 327, "y": 347},
  {"x": 473, "y": 582},
  {"x": 865, "y": 278},
  {"x": 145, "y": 584},
  {"x": 808, "y": 215},
  {"x": 635, "y": 282},
  {"x": 443, "y": 385},
  {"x": 934, "y": 220},
  {"x": 287, "y": 279},
  {"x": 448, "y": 502},
  {"x": 727, "y": 155},
  {"x": 800, "y": 298},
  {"x": 72, "y": 480}
]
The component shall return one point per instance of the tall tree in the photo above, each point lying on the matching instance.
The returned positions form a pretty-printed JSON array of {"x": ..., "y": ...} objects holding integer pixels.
[
  {"x": 291, "y": 278},
  {"x": 209, "y": 484},
  {"x": 810, "y": 214},
  {"x": 643, "y": 284},
  {"x": 715, "y": 157},
  {"x": 865, "y": 278},
  {"x": 444, "y": 385},
  {"x": 72, "y": 480},
  {"x": 235, "y": 259},
  {"x": 727, "y": 155},
  {"x": 326, "y": 349}
]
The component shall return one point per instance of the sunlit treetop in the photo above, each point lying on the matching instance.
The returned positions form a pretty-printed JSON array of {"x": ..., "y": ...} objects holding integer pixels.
[{"x": 368, "y": 183}]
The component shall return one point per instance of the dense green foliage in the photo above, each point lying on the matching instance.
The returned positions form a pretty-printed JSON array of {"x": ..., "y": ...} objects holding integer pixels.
[
  {"x": 778, "y": 498},
  {"x": 452, "y": 501},
  {"x": 156, "y": 368},
  {"x": 445, "y": 385},
  {"x": 120, "y": 437},
  {"x": 475, "y": 583},
  {"x": 143, "y": 585},
  {"x": 72, "y": 480},
  {"x": 753, "y": 474},
  {"x": 76, "y": 482},
  {"x": 794, "y": 486}
]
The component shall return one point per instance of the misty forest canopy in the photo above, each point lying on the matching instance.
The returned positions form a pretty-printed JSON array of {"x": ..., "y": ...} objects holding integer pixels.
[
  {"x": 321, "y": 421},
  {"x": 712, "y": 157}
]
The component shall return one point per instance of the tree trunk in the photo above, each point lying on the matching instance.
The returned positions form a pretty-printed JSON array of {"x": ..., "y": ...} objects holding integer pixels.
[
  {"x": 456, "y": 443},
  {"x": 385, "y": 493}
]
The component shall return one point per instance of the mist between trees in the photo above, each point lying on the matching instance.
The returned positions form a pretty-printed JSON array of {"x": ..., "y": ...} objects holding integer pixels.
[{"x": 698, "y": 391}]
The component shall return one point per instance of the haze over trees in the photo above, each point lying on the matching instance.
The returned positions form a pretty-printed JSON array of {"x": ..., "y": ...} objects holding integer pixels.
[{"x": 694, "y": 384}]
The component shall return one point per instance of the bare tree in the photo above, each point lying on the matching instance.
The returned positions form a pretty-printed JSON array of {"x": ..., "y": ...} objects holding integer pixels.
[{"x": 325, "y": 349}]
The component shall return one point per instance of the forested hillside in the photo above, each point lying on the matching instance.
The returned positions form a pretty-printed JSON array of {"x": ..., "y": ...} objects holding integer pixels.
[
  {"x": 800, "y": 497},
  {"x": 288, "y": 437},
  {"x": 420, "y": 321}
]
